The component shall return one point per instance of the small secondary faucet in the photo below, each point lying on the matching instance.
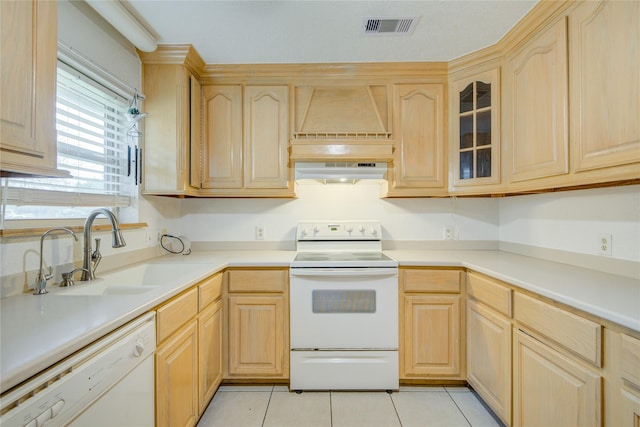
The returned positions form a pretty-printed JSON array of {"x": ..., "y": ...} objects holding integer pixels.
[
  {"x": 41, "y": 280},
  {"x": 89, "y": 258}
]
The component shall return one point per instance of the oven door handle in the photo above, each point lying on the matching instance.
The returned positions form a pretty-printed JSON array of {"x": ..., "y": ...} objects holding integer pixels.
[{"x": 345, "y": 271}]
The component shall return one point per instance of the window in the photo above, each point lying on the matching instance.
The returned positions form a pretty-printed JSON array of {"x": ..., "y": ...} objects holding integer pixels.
[{"x": 93, "y": 146}]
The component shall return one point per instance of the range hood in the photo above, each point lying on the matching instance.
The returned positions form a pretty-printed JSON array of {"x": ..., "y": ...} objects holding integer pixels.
[
  {"x": 341, "y": 123},
  {"x": 340, "y": 171}
]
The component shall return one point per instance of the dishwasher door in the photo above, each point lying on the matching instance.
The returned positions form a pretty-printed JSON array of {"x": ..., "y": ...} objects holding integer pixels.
[
  {"x": 109, "y": 383},
  {"x": 128, "y": 403}
]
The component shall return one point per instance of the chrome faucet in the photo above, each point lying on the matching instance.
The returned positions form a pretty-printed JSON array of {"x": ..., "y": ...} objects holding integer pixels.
[
  {"x": 41, "y": 280},
  {"x": 91, "y": 259}
]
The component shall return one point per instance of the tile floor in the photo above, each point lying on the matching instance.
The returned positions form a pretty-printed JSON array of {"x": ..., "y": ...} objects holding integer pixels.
[{"x": 275, "y": 406}]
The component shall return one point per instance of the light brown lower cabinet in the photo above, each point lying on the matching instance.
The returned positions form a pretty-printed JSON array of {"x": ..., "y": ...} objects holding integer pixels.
[
  {"x": 189, "y": 353},
  {"x": 256, "y": 336},
  {"x": 626, "y": 349},
  {"x": 551, "y": 389},
  {"x": 210, "y": 352},
  {"x": 630, "y": 407},
  {"x": 177, "y": 378},
  {"x": 257, "y": 316},
  {"x": 489, "y": 357},
  {"x": 430, "y": 324},
  {"x": 432, "y": 346}
]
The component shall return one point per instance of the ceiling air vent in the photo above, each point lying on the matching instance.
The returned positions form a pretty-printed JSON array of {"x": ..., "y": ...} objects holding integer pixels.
[{"x": 390, "y": 26}]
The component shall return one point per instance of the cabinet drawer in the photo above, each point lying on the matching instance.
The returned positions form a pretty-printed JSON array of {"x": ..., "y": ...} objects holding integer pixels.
[
  {"x": 209, "y": 290},
  {"x": 430, "y": 280},
  {"x": 490, "y": 293},
  {"x": 174, "y": 314},
  {"x": 257, "y": 280},
  {"x": 631, "y": 359},
  {"x": 579, "y": 335}
]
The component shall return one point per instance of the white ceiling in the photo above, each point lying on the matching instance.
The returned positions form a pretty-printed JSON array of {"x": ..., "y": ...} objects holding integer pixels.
[{"x": 247, "y": 32}]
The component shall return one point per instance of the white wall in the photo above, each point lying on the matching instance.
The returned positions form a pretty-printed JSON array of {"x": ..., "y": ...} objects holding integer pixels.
[
  {"x": 402, "y": 219},
  {"x": 573, "y": 220}
]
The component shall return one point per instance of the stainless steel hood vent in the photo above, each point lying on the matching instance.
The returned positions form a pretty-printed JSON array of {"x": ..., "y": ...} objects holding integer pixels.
[{"x": 340, "y": 171}]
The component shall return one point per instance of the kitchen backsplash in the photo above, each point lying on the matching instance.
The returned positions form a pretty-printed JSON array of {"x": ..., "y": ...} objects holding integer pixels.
[
  {"x": 568, "y": 221},
  {"x": 402, "y": 219},
  {"x": 574, "y": 221}
]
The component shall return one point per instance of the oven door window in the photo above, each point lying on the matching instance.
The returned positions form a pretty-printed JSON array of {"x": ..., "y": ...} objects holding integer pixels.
[{"x": 344, "y": 301}]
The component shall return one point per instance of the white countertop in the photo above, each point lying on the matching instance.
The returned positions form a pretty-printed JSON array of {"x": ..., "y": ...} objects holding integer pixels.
[
  {"x": 38, "y": 331},
  {"x": 611, "y": 297}
]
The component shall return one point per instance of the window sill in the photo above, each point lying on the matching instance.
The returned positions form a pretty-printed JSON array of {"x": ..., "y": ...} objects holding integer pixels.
[{"x": 38, "y": 231}]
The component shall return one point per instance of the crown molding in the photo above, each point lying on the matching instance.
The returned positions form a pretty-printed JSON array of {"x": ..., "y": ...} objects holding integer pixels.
[{"x": 175, "y": 54}]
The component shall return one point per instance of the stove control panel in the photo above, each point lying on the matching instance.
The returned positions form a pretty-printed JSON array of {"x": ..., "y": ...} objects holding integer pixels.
[{"x": 339, "y": 230}]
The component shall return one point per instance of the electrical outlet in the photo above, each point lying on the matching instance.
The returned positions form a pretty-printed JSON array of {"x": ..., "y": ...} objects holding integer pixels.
[
  {"x": 605, "y": 244},
  {"x": 259, "y": 232},
  {"x": 448, "y": 232},
  {"x": 150, "y": 237}
]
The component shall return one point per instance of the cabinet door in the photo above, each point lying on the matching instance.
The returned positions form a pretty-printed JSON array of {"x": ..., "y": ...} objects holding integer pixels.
[
  {"x": 551, "y": 389},
  {"x": 476, "y": 130},
  {"x": 28, "y": 87},
  {"x": 167, "y": 128},
  {"x": 177, "y": 379},
  {"x": 266, "y": 137},
  {"x": 222, "y": 137},
  {"x": 605, "y": 93},
  {"x": 489, "y": 358},
  {"x": 210, "y": 352},
  {"x": 431, "y": 340},
  {"x": 256, "y": 336},
  {"x": 195, "y": 138},
  {"x": 418, "y": 161},
  {"x": 539, "y": 140},
  {"x": 630, "y": 408}
]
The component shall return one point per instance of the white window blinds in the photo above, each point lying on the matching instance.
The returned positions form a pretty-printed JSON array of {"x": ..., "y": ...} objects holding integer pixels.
[{"x": 92, "y": 145}]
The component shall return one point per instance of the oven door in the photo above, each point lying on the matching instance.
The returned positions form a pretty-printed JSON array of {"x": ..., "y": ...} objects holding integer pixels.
[{"x": 344, "y": 308}]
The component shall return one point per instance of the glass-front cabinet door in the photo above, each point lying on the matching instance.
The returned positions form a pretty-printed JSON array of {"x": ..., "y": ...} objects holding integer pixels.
[{"x": 476, "y": 130}]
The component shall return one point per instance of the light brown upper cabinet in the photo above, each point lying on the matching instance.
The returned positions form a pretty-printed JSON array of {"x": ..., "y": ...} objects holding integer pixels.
[
  {"x": 222, "y": 137},
  {"x": 28, "y": 86},
  {"x": 266, "y": 139},
  {"x": 538, "y": 91},
  {"x": 245, "y": 141},
  {"x": 171, "y": 129},
  {"x": 605, "y": 84},
  {"x": 419, "y": 135},
  {"x": 475, "y": 139}
]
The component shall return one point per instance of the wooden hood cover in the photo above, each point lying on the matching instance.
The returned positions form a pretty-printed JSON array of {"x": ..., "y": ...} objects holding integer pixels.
[{"x": 341, "y": 122}]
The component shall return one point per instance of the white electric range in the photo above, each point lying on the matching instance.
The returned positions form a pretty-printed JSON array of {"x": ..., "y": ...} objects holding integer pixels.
[{"x": 343, "y": 308}]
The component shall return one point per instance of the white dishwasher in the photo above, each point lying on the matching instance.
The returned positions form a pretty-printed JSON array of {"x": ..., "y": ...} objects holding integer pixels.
[{"x": 108, "y": 383}]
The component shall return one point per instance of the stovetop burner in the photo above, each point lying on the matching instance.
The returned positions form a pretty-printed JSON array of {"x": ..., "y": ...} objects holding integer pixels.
[
  {"x": 335, "y": 244},
  {"x": 311, "y": 257},
  {"x": 343, "y": 259}
]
